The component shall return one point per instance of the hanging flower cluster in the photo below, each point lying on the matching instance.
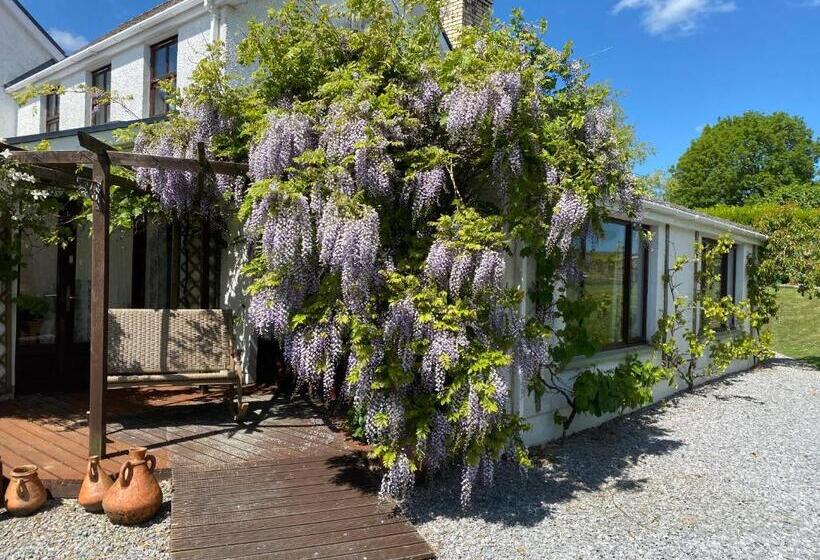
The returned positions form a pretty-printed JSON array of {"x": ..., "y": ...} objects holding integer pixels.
[
  {"x": 391, "y": 183},
  {"x": 178, "y": 190}
]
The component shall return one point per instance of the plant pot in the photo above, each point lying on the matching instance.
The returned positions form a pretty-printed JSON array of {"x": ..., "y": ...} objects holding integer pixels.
[
  {"x": 25, "y": 493},
  {"x": 135, "y": 497},
  {"x": 95, "y": 484}
]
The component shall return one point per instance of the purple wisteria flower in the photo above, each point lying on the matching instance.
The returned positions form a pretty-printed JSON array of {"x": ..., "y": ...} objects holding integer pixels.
[
  {"x": 286, "y": 137},
  {"x": 423, "y": 191},
  {"x": 569, "y": 215}
]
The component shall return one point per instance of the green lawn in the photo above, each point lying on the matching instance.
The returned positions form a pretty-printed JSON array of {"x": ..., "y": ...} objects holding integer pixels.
[{"x": 797, "y": 327}]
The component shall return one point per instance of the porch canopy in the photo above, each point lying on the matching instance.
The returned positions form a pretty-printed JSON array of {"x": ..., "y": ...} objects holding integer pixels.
[{"x": 60, "y": 169}]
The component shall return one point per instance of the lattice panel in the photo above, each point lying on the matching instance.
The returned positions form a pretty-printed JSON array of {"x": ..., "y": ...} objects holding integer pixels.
[{"x": 192, "y": 236}]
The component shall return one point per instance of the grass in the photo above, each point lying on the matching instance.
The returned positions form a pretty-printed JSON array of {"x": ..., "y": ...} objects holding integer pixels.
[{"x": 796, "y": 330}]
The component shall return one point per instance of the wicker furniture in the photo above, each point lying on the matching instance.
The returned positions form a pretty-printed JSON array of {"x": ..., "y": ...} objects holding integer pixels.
[{"x": 174, "y": 347}]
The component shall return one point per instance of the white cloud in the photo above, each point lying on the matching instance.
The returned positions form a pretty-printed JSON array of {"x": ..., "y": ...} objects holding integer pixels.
[
  {"x": 68, "y": 40},
  {"x": 810, "y": 4},
  {"x": 662, "y": 16}
]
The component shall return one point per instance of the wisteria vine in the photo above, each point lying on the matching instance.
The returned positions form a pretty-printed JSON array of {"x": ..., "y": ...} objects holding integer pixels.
[{"x": 392, "y": 184}]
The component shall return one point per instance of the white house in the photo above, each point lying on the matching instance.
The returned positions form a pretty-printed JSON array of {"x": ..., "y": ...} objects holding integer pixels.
[
  {"x": 33, "y": 50},
  {"x": 51, "y": 340}
]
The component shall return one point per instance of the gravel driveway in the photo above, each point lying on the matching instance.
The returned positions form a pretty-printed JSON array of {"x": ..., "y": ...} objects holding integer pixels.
[{"x": 730, "y": 471}]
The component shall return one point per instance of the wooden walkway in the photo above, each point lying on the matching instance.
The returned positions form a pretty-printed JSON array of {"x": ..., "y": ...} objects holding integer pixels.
[{"x": 318, "y": 507}]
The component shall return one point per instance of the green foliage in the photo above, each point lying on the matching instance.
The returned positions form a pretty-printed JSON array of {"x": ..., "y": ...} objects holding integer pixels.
[
  {"x": 745, "y": 158},
  {"x": 792, "y": 253},
  {"x": 705, "y": 333}
]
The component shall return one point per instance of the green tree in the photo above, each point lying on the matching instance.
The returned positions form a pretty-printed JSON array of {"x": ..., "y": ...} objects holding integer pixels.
[{"x": 745, "y": 157}]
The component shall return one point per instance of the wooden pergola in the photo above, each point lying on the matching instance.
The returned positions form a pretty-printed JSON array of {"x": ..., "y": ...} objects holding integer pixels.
[{"x": 93, "y": 165}]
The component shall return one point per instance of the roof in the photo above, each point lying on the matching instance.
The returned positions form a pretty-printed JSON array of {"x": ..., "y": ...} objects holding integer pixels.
[
  {"x": 129, "y": 23},
  {"x": 38, "y": 26},
  {"x": 31, "y": 72},
  {"x": 683, "y": 211}
]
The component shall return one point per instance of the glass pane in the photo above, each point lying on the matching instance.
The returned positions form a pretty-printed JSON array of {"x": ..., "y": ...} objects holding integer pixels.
[
  {"x": 159, "y": 63},
  {"x": 172, "y": 58},
  {"x": 603, "y": 268},
  {"x": 119, "y": 277},
  {"x": 37, "y": 294},
  {"x": 637, "y": 288}
]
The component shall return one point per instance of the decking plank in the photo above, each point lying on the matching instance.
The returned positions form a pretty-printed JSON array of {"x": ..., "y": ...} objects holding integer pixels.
[{"x": 322, "y": 508}]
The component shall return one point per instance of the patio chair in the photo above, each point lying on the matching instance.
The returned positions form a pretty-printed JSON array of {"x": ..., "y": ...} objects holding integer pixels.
[{"x": 174, "y": 347}]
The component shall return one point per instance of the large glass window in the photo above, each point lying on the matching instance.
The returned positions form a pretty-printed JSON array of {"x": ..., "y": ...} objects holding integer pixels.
[
  {"x": 163, "y": 68},
  {"x": 614, "y": 267},
  {"x": 100, "y": 102}
]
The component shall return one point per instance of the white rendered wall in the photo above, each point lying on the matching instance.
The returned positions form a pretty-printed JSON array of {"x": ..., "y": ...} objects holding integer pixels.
[
  {"x": 681, "y": 240},
  {"x": 129, "y": 82},
  {"x": 20, "y": 53},
  {"x": 192, "y": 46}
]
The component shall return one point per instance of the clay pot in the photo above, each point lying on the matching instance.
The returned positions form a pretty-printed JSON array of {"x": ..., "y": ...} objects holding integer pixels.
[
  {"x": 25, "y": 493},
  {"x": 95, "y": 484},
  {"x": 135, "y": 496}
]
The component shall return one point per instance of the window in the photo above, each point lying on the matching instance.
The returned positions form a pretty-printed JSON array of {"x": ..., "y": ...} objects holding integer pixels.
[
  {"x": 100, "y": 104},
  {"x": 727, "y": 268},
  {"x": 163, "y": 67},
  {"x": 614, "y": 267},
  {"x": 52, "y": 112}
]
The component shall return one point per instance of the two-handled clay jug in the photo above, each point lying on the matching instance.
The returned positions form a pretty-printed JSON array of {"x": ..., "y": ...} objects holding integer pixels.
[
  {"x": 95, "y": 484},
  {"x": 25, "y": 493},
  {"x": 135, "y": 496}
]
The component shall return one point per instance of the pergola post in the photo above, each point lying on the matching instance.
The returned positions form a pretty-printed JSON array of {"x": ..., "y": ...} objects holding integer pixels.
[{"x": 101, "y": 175}]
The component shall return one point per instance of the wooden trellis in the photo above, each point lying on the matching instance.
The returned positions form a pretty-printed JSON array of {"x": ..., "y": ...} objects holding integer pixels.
[{"x": 93, "y": 166}]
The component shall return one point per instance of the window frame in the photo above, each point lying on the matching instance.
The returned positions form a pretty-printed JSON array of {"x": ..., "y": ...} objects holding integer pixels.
[
  {"x": 102, "y": 108},
  {"x": 626, "y": 340},
  {"x": 154, "y": 79},
  {"x": 726, "y": 288},
  {"x": 52, "y": 118}
]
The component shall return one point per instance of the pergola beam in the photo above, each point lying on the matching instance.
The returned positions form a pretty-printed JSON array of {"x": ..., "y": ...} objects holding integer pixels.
[{"x": 55, "y": 167}]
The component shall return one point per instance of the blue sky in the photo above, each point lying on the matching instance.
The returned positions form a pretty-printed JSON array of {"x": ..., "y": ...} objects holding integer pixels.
[{"x": 675, "y": 64}]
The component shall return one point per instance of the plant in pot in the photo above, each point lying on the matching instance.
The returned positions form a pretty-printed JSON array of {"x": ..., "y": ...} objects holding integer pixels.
[{"x": 31, "y": 313}]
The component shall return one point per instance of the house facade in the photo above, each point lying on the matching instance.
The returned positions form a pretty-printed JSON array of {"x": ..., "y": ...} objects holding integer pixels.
[
  {"x": 186, "y": 265},
  {"x": 33, "y": 49}
]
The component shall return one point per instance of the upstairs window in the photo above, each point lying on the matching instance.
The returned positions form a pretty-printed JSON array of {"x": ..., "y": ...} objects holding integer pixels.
[
  {"x": 615, "y": 267},
  {"x": 52, "y": 112},
  {"x": 163, "y": 68},
  {"x": 100, "y": 102}
]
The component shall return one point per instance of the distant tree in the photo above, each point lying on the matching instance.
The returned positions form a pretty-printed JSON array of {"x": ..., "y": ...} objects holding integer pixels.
[{"x": 745, "y": 157}]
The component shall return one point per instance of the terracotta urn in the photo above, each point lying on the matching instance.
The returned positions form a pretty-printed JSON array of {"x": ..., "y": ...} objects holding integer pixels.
[
  {"x": 95, "y": 484},
  {"x": 25, "y": 493},
  {"x": 135, "y": 497}
]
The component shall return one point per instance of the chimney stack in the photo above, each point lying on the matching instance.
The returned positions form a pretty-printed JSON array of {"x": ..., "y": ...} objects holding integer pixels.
[{"x": 455, "y": 14}]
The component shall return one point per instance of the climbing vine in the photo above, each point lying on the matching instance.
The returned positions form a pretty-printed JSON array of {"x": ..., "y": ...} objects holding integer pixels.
[{"x": 392, "y": 183}]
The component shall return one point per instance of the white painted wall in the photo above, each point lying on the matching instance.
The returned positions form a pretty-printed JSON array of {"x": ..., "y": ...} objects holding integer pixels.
[
  {"x": 22, "y": 49},
  {"x": 681, "y": 241},
  {"x": 129, "y": 81},
  {"x": 192, "y": 45}
]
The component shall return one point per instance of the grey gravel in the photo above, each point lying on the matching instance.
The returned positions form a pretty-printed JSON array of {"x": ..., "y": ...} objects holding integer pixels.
[
  {"x": 729, "y": 471},
  {"x": 63, "y": 530}
]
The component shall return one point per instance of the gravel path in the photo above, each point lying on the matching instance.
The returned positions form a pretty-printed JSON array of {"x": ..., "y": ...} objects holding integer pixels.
[
  {"x": 731, "y": 471},
  {"x": 65, "y": 531}
]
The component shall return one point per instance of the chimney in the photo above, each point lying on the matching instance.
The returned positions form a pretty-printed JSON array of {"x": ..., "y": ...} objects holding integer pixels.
[{"x": 455, "y": 14}]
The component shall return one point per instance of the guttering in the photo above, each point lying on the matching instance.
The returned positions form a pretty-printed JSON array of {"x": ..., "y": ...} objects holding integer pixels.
[
  {"x": 702, "y": 219},
  {"x": 65, "y": 65}
]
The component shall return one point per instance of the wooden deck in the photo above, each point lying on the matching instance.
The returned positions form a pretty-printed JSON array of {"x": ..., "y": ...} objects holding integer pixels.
[
  {"x": 181, "y": 427},
  {"x": 293, "y": 509},
  {"x": 283, "y": 484}
]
